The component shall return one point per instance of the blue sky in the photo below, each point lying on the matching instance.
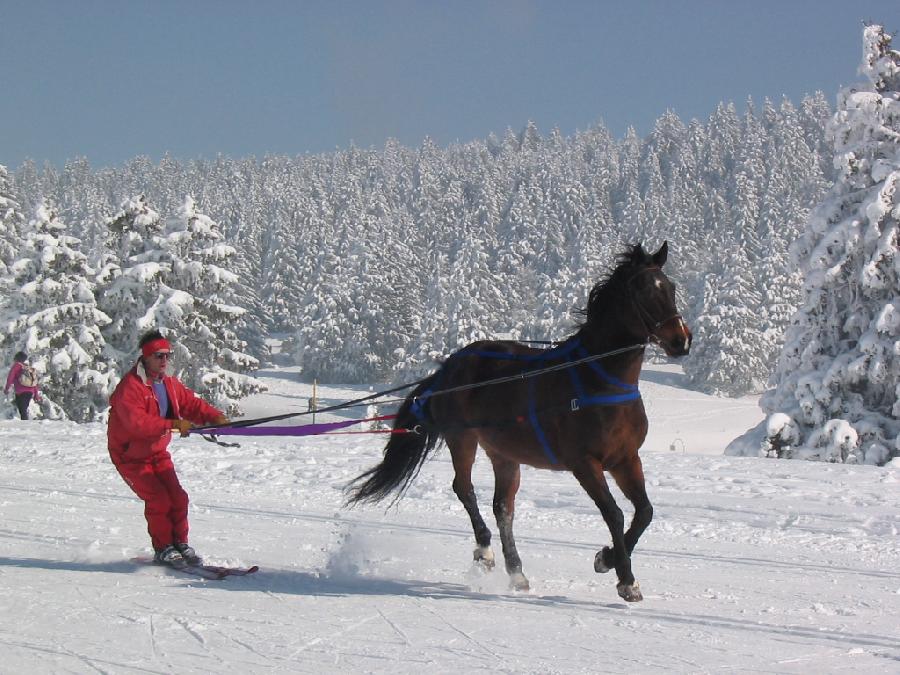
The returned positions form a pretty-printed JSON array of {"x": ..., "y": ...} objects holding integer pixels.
[{"x": 110, "y": 80}]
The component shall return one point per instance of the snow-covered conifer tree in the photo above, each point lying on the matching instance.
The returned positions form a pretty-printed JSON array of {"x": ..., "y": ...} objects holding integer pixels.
[
  {"x": 130, "y": 278},
  {"x": 837, "y": 395},
  {"x": 469, "y": 297},
  {"x": 53, "y": 316},
  {"x": 629, "y": 209},
  {"x": 195, "y": 305},
  {"x": 11, "y": 221},
  {"x": 426, "y": 353},
  {"x": 330, "y": 320},
  {"x": 730, "y": 350}
]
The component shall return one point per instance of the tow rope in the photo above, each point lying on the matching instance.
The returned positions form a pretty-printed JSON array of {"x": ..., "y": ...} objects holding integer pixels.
[
  {"x": 243, "y": 427},
  {"x": 295, "y": 430},
  {"x": 211, "y": 433}
]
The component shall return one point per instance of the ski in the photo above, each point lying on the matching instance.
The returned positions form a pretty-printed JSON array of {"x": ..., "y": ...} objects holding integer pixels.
[
  {"x": 194, "y": 570},
  {"x": 213, "y": 572},
  {"x": 224, "y": 571}
]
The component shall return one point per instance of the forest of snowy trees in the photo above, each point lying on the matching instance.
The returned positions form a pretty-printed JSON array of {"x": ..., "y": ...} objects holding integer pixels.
[
  {"x": 79, "y": 316},
  {"x": 373, "y": 263}
]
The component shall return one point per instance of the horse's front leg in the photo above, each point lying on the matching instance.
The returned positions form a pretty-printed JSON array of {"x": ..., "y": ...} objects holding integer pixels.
[
  {"x": 506, "y": 484},
  {"x": 590, "y": 475},
  {"x": 629, "y": 476}
]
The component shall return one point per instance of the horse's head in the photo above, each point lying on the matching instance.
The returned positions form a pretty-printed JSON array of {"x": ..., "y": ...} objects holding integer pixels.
[
  {"x": 645, "y": 299},
  {"x": 652, "y": 294}
]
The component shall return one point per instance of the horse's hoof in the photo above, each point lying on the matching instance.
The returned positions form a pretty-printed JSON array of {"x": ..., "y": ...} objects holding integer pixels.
[
  {"x": 600, "y": 560},
  {"x": 630, "y": 593},
  {"x": 518, "y": 582},
  {"x": 484, "y": 557}
]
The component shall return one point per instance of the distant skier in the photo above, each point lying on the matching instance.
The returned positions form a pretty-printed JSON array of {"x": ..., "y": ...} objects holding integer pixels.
[
  {"x": 23, "y": 378},
  {"x": 147, "y": 406}
]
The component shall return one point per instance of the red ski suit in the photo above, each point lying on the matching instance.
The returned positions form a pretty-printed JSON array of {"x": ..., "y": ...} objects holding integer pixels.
[{"x": 138, "y": 438}]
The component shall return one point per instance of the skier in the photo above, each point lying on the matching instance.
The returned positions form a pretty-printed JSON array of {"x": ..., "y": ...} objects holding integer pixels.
[
  {"x": 146, "y": 406},
  {"x": 23, "y": 379}
]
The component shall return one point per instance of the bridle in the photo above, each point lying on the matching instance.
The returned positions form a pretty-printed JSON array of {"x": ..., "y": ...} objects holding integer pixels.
[{"x": 651, "y": 324}]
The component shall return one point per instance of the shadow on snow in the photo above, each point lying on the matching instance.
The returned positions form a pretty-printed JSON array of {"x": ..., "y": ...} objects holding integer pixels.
[{"x": 287, "y": 582}]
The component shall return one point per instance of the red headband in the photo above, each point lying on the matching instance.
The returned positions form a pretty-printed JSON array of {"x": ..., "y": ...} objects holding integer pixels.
[{"x": 155, "y": 346}]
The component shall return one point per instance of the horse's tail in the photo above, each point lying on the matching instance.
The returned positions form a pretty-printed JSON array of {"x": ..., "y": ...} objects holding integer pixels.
[{"x": 404, "y": 453}]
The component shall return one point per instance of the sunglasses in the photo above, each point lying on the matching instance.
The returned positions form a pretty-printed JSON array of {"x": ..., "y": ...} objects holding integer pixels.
[{"x": 162, "y": 355}]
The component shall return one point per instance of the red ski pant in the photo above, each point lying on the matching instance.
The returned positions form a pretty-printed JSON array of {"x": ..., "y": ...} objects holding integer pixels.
[{"x": 165, "y": 501}]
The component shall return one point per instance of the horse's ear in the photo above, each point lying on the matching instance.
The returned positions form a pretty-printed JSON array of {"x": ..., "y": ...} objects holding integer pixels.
[
  {"x": 659, "y": 258},
  {"x": 638, "y": 254}
]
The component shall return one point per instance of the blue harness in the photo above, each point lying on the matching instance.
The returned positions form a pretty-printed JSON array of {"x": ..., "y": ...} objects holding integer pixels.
[{"x": 627, "y": 392}]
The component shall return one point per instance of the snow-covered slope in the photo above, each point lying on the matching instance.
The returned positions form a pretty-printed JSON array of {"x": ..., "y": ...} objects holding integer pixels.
[{"x": 750, "y": 565}]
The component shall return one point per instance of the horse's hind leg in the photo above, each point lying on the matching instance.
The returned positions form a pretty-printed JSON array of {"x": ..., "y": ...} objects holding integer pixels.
[
  {"x": 506, "y": 484},
  {"x": 630, "y": 479},
  {"x": 463, "y": 447},
  {"x": 591, "y": 477}
]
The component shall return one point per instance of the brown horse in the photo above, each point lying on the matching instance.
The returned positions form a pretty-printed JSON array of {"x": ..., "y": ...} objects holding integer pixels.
[{"x": 553, "y": 408}]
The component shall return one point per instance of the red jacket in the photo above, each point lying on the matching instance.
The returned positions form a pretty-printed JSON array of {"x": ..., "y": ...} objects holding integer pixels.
[
  {"x": 136, "y": 430},
  {"x": 12, "y": 380}
]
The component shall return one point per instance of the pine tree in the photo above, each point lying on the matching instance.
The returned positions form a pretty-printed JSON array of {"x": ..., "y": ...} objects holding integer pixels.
[
  {"x": 53, "y": 316},
  {"x": 425, "y": 352},
  {"x": 330, "y": 320},
  {"x": 837, "y": 395},
  {"x": 130, "y": 279},
  {"x": 629, "y": 211},
  {"x": 11, "y": 221},
  {"x": 196, "y": 306},
  {"x": 80, "y": 203},
  {"x": 729, "y": 352},
  {"x": 469, "y": 297}
]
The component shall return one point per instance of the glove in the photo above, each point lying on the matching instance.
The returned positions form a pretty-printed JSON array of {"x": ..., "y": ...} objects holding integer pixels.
[
  {"x": 182, "y": 426},
  {"x": 221, "y": 420}
]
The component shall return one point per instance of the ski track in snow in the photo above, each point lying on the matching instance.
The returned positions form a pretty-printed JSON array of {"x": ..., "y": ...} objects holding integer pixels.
[{"x": 751, "y": 565}]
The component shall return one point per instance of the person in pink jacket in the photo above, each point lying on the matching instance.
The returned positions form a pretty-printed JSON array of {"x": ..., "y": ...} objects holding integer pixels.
[
  {"x": 23, "y": 380},
  {"x": 146, "y": 407}
]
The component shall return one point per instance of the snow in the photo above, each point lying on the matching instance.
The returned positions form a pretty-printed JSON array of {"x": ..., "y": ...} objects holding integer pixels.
[{"x": 750, "y": 564}]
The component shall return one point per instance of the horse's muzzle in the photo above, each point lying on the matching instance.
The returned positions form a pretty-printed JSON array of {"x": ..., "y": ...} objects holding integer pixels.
[{"x": 674, "y": 337}]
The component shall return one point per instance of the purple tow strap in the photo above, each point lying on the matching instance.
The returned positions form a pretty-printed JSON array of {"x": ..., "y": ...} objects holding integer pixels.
[{"x": 298, "y": 430}]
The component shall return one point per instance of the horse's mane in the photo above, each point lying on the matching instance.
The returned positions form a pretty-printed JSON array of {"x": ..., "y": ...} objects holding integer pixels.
[{"x": 606, "y": 290}]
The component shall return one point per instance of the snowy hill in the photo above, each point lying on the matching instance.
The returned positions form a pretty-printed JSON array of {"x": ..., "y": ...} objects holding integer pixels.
[{"x": 749, "y": 565}]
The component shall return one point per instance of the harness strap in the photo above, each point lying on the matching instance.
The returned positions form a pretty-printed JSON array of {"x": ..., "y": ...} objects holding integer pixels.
[
  {"x": 536, "y": 424},
  {"x": 566, "y": 350},
  {"x": 562, "y": 350},
  {"x": 582, "y": 399},
  {"x": 606, "y": 377}
]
